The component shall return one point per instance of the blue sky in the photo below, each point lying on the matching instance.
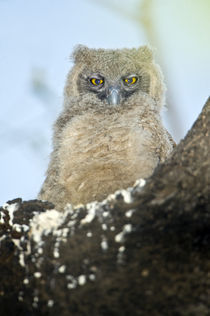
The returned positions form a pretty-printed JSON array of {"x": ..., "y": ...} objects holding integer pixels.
[{"x": 36, "y": 40}]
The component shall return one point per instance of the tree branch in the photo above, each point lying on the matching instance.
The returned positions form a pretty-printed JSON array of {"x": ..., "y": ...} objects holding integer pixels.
[{"x": 143, "y": 251}]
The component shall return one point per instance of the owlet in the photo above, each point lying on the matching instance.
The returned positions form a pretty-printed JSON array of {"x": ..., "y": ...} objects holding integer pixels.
[{"x": 110, "y": 132}]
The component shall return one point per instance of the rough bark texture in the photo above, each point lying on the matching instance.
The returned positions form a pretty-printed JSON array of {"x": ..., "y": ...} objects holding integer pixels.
[{"x": 144, "y": 251}]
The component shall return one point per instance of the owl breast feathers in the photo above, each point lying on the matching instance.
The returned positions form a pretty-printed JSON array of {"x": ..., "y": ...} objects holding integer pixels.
[{"x": 109, "y": 133}]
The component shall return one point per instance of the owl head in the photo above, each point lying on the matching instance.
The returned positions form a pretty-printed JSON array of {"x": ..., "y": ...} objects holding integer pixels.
[{"x": 113, "y": 77}]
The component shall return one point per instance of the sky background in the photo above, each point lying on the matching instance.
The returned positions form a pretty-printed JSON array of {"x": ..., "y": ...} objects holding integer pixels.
[{"x": 36, "y": 40}]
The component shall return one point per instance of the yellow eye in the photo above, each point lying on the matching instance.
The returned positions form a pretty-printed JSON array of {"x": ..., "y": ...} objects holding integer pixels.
[
  {"x": 96, "y": 81},
  {"x": 130, "y": 81}
]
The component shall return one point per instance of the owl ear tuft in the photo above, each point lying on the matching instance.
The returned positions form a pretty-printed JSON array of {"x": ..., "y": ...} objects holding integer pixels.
[
  {"x": 146, "y": 53},
  {"x": 80, "y": 53}
]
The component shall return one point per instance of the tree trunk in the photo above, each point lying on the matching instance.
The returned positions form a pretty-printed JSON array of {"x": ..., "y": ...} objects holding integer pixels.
[{"x": 143, "y": 251}]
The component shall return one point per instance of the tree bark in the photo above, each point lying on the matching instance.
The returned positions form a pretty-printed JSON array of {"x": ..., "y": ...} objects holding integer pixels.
[{"x": 143, "y": 251}]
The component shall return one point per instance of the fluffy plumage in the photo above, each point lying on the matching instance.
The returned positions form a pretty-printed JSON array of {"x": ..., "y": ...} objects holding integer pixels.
[{"x": 101, "y": 145}]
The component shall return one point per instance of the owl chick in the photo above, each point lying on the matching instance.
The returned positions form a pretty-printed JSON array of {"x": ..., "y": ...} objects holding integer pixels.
[{"x": 109, "y": 133}]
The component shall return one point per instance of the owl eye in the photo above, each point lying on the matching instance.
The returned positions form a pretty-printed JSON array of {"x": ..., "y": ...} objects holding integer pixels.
[
  {"x": 130, "y": 81},
  {"x": 96, "y": 81}
]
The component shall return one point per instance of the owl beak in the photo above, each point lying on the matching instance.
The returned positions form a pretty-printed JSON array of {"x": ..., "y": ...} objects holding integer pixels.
[{"x": 113, "y": 95}]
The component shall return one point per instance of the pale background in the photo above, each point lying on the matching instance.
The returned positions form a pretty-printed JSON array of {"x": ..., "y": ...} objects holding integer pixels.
[{"x": 36, "y": 39}]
